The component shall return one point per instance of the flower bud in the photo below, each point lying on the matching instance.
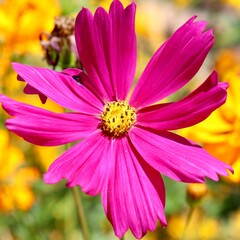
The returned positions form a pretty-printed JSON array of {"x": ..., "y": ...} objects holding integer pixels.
[
  {"x": 60, "y": 43},
  {"x": 195, "y": 192}
]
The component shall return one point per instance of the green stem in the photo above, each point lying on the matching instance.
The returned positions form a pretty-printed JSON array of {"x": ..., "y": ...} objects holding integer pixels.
[
  {"x": 189, "y": 217},
  {"x": 80, "y": 212},
  {"x": 122, "y": 238},
  {"x": 79, "y": 206}
]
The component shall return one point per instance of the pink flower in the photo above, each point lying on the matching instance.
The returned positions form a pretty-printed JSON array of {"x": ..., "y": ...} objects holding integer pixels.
[{"x": 124, "y": 145}]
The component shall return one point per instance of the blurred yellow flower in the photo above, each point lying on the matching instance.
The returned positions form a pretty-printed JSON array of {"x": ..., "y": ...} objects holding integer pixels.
[
  {"x": 46, "y": 155},
  {"x": 207, "y": 228},
  {"x": 15, "y": 89},
  {"x": 183, "y": 3},
  {"x": 220, "y": 133},
  {"x": 15, "y": 178},
  {"x": 201, "y": 227},
  {"x": 234, "y": 231},
  {"x": 21, "y": 22},
  {"x": 232, "y": 3}
]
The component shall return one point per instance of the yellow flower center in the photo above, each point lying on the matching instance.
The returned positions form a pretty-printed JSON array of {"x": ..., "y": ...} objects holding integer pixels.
[{"x": 117, "y": 118}]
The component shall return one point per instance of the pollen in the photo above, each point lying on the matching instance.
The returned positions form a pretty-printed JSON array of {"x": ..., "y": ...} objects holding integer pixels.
[{"x": 117, "y": 118}]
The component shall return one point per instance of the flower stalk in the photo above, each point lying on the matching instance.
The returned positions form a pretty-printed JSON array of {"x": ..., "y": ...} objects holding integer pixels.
[
  {"x": 189, "y": 217},
  {"x": 81, "y": 214}
]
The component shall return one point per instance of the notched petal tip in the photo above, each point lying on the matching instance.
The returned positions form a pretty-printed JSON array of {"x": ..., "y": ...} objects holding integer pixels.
[
  {"x": 201, "y": 24},
  {"x": 210, "y": 33},
  {"x": 163, "y": 223},
  {"x": 225, "y": 170},
  {"x": 223, "y": 85},
  {"x": 131, "y": 9},
  {"x": 200, "y": 27},
  {"x": 192, "y": 19},
  {"x": 229, "y": 170},
  {"x": 213, "y": 82},
  {"x": 214, "y": 77},
  {"x": 208, "y": 37}
]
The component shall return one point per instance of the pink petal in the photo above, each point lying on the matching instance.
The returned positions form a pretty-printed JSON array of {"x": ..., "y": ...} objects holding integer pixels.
[
  {"x": 134, "y": 194},
  {"x": 30, "y": 90},
  {"x": 189, "y": 111},
  {"x": 107, "y": 48},
  {"x": 72, "y": 71},
  {"x": 174, "y": 64},
  {"x": 124, "y": 47},
  {"x": 86, "y": 164},
  {"x": 60, "y": 87},
  {"x": 46, "y": 128},
  {"x": 176, "y": 157}
]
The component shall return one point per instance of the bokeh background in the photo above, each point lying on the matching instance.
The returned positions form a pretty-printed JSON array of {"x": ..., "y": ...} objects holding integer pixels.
[{"x": 32, "y": 210}]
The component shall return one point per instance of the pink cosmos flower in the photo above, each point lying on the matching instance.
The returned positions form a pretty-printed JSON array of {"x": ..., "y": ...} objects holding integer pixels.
[{"x": 124, "y": 145}]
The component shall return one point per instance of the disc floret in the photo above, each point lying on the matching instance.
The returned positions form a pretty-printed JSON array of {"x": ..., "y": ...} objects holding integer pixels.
[{"x": 117, "y": 118}]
